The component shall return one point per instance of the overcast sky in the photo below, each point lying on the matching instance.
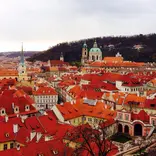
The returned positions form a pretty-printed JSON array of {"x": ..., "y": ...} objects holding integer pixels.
[{"x": 43, "y": 23}]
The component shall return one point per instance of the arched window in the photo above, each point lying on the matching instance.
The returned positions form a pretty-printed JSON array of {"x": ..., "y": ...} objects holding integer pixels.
[
  {"x": 126, "y": 129},
  {"x": 93, "y": 58},
  {"x": 120, "y": 128},
  {"x": 138, "y": 130}
]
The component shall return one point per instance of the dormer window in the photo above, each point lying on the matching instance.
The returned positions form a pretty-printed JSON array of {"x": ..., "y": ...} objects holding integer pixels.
[
  {"x": 2, "y": 112},
  {"x": 6, "y": 135},
  {"x": 152, "y": 105},
  {"x": 55, "y": 152},
  {"x": 27, "y": 108},
  {"x": 16, "y": 109},
  {"x": 40, "y": 154}
]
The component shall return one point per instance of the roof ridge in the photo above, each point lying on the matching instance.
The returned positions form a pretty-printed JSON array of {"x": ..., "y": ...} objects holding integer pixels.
[{"x": 41, "y": 124}]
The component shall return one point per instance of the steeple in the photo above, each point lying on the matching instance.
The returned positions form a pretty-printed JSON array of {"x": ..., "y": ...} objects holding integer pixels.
[
  {"x": 22, "y": 73},
  {"x": 61, "y": 57},
  {"x": 22, "y": 55},
  {"x": 95, "y": 44},
  {"x": 85, "y": 45}
]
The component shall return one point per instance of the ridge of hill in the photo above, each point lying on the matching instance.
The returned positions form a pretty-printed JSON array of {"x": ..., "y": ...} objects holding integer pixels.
[
  {"x": 141, "y": 48},
  {"x": 12, "y": 54}
]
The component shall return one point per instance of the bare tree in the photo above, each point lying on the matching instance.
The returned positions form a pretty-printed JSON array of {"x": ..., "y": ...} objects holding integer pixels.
[
  {"x": 90, "y": 141},
  {"x": 152, "y": 151}
]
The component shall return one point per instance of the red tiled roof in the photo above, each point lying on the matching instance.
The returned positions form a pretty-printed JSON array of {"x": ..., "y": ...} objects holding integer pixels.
[
  {"x": 142, "y": 115},
  {"x": 58, "y": 63},
  {"x": 9, "y": 99},
  {"x": 45, "y": 91},
  {"x": 70, "y": 111}
]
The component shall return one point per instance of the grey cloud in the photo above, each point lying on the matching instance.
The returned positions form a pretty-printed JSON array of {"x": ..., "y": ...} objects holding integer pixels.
[{"x": 53, "y": 20}]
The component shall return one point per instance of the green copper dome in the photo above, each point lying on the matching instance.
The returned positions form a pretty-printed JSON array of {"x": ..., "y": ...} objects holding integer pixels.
[
  {"x": 85, "y": 45},
  {"x": 95, "y": 48}
]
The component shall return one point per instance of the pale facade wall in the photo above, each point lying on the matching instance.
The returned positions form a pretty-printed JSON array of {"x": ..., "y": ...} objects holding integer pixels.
[
  {"x": 96, "y": 55},
  {"x": 45, "y": 101}
]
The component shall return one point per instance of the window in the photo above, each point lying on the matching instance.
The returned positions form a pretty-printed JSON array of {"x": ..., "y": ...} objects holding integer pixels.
[
  {"x": 55, "y": 152},
  {"x": 5, "y": 147},
  {"x": 89, "y": 119},
  {"x": 96, "y": 120},
  {"x": 153, "y": 122},
  {"x": 7, "y": 135},
  {"x": 126, "y": 117},
  {"x": 152, "y": 105},
  {"x": 83, "y": 118},
  {"x": 27, "y": 107},
  {"x": 120, "y": 115},
  {"x": 3, "y": 111},
  {"x": 11, "y": 145}
]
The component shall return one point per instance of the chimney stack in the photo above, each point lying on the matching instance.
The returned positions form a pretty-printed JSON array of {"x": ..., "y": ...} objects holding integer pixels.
[
  {"x": 13, "y": 105},
  {"x": 15, "y": 128},
  {"x": 6, "y": 118}
]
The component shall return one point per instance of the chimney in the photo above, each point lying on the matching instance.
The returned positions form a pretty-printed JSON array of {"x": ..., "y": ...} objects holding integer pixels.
[
  {"x": 6, "y": 118},
  {"x": 15, "y": 128},
  {"x": 22, "y": 119},
  {"x": 32, "y": 135},
  {"x": 39, "y": 135},
  {"x": 13, "y": 105}
]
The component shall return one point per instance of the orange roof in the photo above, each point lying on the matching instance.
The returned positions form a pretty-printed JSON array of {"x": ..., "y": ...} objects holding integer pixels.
[
  {"x": 122, "y": 97},
  {"x": 117, "y": 64},
  {"x": 8, "y": 72},
  {"x": 153, "y": 81},
  {"x": 45, "y": 91},
  {"x": 113, "y": 59},
  {"x": 100, "y": 110},
  {"x": 53, "y": 68}
]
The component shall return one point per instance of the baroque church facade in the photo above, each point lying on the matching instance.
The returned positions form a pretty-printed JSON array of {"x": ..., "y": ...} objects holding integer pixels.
[{"x": 94, "y": 54}]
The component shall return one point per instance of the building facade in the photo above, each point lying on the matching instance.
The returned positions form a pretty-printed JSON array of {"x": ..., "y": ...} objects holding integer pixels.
[
  {"x": 45, "y": 97},
  {"x": 95, "y": 53}
]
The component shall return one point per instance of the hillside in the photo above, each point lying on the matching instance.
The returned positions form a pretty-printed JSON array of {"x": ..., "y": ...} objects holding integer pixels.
[
  {"x": 109, "y": 46},
  {"x": 18, "y": 53}
]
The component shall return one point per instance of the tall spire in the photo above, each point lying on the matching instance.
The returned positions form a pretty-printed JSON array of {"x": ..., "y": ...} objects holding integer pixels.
[
  {"x": 22, "y": 54},
  {"x": 95, "y": 44}
]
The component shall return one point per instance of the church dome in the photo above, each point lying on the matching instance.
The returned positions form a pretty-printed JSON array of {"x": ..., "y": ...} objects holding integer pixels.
[{"x": 95, "y": 48}]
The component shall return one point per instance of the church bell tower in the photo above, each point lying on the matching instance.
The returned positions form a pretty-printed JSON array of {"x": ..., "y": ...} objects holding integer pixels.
[
  {"x": 84, "y": 57},
  {"x": 22, "y": 74}
]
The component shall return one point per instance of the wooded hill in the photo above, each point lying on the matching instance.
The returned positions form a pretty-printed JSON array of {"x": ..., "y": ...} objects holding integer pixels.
[{"x": 109, "y": 46}]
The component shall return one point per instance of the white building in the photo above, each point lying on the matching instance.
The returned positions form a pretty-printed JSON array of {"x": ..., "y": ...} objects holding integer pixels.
[{"x": 45, "y": 97}]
